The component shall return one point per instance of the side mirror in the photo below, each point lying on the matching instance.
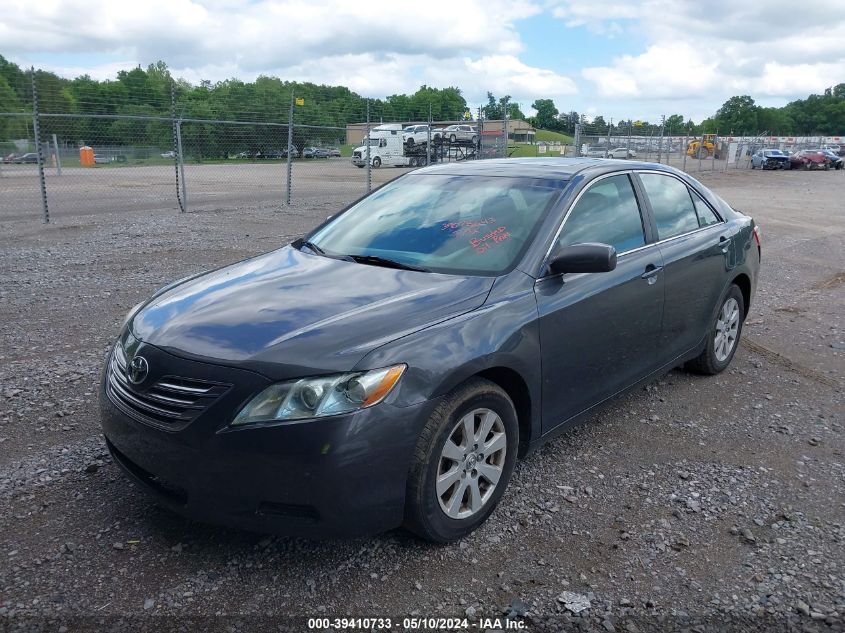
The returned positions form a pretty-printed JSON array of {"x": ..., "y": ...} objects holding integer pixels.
[{"x": 584, "y": 258}]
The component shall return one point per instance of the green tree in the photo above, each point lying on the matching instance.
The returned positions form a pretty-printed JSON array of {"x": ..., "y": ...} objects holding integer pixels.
[
  {"x": 546, "y": 117},
  {"x": 738, "y": 115}
]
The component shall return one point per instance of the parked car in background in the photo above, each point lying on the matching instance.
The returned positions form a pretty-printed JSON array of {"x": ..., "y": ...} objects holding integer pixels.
[
  {"x": 170, "y": 154},
  {"x": 837, "y": 160},
  {"x": 388, "y": 367},
  {"x": 810, "y": 159},
  {"x": 593, "y": 152},
  {"x": 10, "y": 158},
  {"x": 459, "y": 133},
  {"x": 334, "y": 152},
  {"x": 622, "y": 152},
  {"x": 315, "y": 152},
  {"x": 415, "y": 134},
  {"x": 100, "y": 159},
  {"x": 770, "y": 159},
  {"x": 839, "y": 150},
  {"x": 26, "y": 159}
]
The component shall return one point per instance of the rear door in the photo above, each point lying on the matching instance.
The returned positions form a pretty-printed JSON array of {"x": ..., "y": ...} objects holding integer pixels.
[
  {"x": 696, "y": 248},
  {"x": 599, "y": 331}
]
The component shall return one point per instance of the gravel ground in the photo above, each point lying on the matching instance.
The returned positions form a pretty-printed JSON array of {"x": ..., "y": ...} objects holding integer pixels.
[{"x": 695, "y": 503}]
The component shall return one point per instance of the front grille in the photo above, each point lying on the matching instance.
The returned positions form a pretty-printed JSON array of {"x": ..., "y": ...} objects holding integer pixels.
[{"x": 171, "y": 402}]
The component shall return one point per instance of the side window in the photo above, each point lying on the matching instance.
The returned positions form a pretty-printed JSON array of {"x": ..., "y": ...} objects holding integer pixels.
[
  {"x": 706, "y": 216},
  {"x": 607, "y": 213},
  {"x": 672, "y": 205}
]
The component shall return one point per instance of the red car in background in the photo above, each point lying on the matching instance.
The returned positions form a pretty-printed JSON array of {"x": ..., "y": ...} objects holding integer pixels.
[{"x": 810, "y": 159}]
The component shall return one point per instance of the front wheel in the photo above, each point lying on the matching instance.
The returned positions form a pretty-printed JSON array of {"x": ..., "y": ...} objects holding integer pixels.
[
  {"x": 377, "y": 162},
  {"x": 462, "y": 463},
  {"x": 723, "y": 335}
]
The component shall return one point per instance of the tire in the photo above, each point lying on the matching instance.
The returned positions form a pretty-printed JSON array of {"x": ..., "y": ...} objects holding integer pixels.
[
  {"x": 453, "y": 138},
  {"x": 711, "y": 361},
  {"x": 377, "y": 162},
  {"x": 425, "y": 509},
  {"x": 409, "y": 142},
  {"x": 412, "y": 162}
]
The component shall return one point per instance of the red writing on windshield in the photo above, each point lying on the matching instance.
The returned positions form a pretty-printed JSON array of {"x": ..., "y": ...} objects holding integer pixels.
[
  {"x": 463, "y": 224},
  {"x": 482, "y": 244}
]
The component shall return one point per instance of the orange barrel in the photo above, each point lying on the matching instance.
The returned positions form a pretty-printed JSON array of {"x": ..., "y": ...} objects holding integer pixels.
[{"x": 86, "y": 156}]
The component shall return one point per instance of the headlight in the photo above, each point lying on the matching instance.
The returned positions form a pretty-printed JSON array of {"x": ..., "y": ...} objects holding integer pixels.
[
  {"x": 131, "y": 313},
  {"x": 319, "y": 397}
]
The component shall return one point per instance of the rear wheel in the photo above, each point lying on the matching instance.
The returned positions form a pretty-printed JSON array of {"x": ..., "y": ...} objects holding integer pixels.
[
  {"x": 453, "y": 138},
  {"x": 462, "y": 463},
  {"x": 723, "y": 335},
  {"x": 413, "y": 161}
]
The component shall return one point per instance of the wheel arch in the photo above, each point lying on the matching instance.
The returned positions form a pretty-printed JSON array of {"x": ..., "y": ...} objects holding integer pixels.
[
  {"x": 743, "y": 282},
  {"x": 512, "y": 383}
]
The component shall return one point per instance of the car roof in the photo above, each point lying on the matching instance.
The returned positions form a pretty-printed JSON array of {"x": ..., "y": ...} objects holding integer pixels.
[{"x": 556, "y": 168}]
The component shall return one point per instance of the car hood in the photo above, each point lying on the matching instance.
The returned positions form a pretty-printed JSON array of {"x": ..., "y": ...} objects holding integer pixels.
[{"x": 289, "y": 312}]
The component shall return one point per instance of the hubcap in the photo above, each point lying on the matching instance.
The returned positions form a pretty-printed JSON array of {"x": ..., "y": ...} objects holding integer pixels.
[
  {"x": 727, "y": 327},
  {"x": 471, "y": 463}
]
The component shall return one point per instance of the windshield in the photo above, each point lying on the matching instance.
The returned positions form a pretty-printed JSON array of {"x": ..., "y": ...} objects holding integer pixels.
[
  {"x": 773, "y": 152},
  {"x": 450, "y": 224}
]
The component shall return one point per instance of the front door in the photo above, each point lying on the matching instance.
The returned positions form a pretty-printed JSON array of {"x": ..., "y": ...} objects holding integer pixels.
[{"x": 599, "y": 331}]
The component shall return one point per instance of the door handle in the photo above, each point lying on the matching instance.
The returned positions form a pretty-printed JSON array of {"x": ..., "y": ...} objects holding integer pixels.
[
  {"x": 724, "y": 243},
  {"x": 651, "y": 272}
]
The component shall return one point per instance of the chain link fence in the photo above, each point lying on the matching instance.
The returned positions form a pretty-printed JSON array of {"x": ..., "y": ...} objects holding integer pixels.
[{"x": 174, "y": 153}]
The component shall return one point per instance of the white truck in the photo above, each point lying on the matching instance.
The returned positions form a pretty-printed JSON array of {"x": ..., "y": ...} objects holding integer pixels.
[{"x": 387, "y": 148}]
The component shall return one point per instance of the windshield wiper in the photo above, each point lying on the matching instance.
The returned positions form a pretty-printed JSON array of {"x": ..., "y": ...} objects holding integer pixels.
[
  {"x": 312, "y": 246},
  {"x": 387, "y": 263}
]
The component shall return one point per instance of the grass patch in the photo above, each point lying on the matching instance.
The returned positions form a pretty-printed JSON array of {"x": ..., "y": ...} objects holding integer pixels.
[{"x": 548, "y": 135}]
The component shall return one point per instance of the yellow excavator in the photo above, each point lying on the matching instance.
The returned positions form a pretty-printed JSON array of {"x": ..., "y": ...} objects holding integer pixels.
[{"x": 704, "y": 147}]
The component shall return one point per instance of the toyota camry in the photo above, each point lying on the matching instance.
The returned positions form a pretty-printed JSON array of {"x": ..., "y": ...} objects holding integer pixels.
[{"x": 389, "y": 367}]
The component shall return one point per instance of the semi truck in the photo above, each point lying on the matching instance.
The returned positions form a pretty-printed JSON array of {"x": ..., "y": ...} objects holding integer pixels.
[{"x": 388, "y": 149}]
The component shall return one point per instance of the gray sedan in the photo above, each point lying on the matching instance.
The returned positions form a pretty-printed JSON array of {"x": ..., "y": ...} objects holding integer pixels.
[{"x": 389, "y": 367}]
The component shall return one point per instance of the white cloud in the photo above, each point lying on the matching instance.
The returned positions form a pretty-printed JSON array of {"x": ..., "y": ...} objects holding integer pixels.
[
  {"x": 701, "y": 53},
  {"x": 375, "y": 48}
]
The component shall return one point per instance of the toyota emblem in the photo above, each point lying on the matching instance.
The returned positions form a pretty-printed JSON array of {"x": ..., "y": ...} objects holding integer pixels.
[{"x": 137, "y": 370}]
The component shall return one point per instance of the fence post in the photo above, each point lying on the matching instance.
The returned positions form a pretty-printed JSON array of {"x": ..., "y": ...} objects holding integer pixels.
[
  {"x": 713, "y": 155},
  {"x": 684, "y": 150},
  {"x": 177, "y": 147},
  {"x": 58, "y": 156},
  {"x": 660, "y": 142},
  {"x": 628, "y": 145},
  {"x": 428, "y": 139},
  {"x": 36, "y": 129},
  {"x": 181, "y": 159},
  {"x": 505, "y": 129},
  {"x": 700, "y": 147},
  {"x": 577, "y": 140},
  {"x": 367, "y": 139},
  {"x": 480, "y": 134},
  {"x": 607, "y": 145},
  {"x": 290, "y": 150}
]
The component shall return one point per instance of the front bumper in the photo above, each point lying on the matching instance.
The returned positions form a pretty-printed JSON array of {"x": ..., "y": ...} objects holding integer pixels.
[{"x": 331, "y": 477}]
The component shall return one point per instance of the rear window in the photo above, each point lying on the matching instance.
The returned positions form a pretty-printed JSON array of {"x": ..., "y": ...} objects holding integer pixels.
[{"x": 671, "y": 203}]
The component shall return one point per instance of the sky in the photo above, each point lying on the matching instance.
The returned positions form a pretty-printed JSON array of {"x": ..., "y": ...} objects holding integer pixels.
[{"x": 621, "y": 59}]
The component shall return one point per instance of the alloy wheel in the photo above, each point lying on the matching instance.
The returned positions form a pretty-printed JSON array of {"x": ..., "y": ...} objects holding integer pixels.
[
  {"x": 471, "y": 463},
  {"x": 727, "y": 327}
]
